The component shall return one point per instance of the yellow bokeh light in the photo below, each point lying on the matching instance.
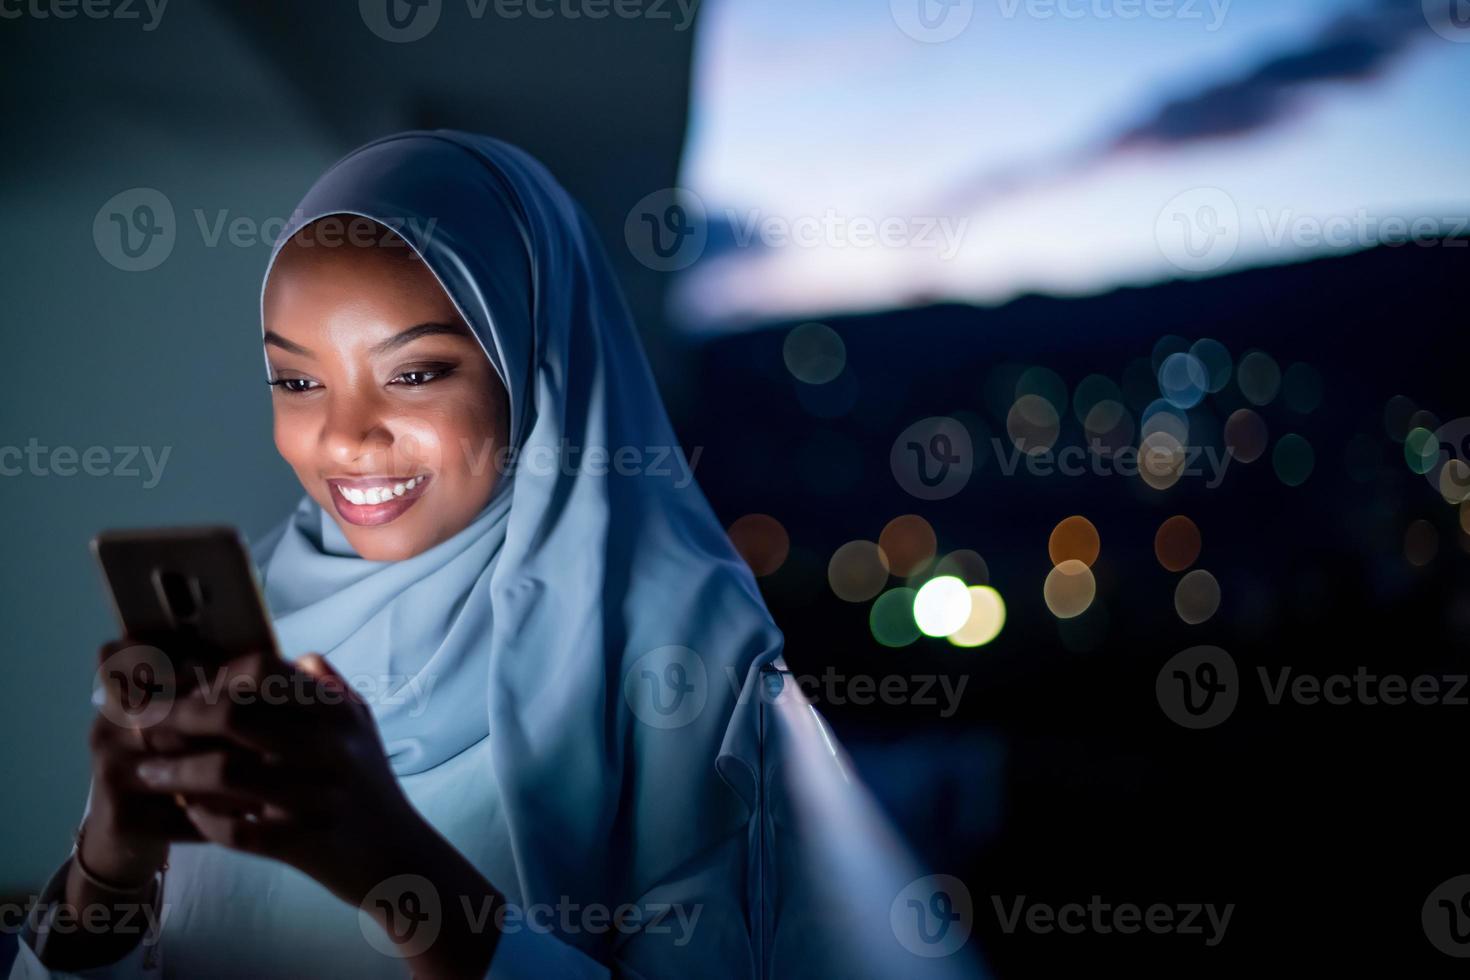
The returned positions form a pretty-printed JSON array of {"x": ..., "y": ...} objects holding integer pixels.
[
  {"x": 1069, "y": 589},
  {"x": 987, "y": 618}
]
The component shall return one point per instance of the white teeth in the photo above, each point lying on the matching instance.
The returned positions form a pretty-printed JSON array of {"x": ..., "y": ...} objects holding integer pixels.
[{"x": 377, "y": 495}]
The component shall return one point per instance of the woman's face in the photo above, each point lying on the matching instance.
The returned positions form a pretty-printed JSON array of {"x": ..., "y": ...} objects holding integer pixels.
[{"x": 385, "y": 404}]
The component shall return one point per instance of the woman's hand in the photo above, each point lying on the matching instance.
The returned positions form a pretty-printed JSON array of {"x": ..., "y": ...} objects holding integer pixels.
[
  {"x": 127, "y": 830},
  {"x": 281, "y": 760},
  {"x": 284, "y": 760}
]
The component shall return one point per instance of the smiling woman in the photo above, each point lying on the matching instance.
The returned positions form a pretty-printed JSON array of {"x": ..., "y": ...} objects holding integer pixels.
[
  {"x": 382, "y": 394},
  {"x": 582, "y": 645}
]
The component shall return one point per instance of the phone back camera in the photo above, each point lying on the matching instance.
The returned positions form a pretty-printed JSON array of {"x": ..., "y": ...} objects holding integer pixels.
[{"x": 182, "y": 596}]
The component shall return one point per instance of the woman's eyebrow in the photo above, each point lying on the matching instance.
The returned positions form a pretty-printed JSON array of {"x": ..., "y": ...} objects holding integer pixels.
[
  {"x": 286, "y": 345},
  {"x": 414, "y": 333}
]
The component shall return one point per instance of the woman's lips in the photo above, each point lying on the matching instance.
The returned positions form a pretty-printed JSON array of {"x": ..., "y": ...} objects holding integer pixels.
[{"x": 370, "y": 501}]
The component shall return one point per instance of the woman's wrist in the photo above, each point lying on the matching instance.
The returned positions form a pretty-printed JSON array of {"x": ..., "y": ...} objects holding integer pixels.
[{"x": 431, "y": 901}]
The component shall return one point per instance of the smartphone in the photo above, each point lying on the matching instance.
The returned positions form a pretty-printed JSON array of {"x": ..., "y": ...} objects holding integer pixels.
[{"x": 194, "y": 586}]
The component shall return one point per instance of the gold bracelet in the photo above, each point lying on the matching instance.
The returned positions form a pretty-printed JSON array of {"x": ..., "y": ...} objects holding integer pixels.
[{"x": 101, "y": 883}]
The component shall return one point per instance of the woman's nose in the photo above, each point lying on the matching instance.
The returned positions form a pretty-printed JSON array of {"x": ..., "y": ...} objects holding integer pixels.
[{"x": 355, "y": 430}]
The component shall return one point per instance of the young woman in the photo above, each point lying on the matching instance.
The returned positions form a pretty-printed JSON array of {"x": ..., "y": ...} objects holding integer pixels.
[{"x": 525, "y": 739}]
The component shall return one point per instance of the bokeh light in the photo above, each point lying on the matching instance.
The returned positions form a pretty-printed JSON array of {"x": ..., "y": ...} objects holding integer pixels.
[
  {"x": 1074, "y": 539},
  {"x": 892, "y": 618},
  {"x": 814, "y": 353},
  {"x": 1216, "y": 360},
  {"x": 987, "y": 618},
  {"x": 1197, "y": 597},
  {"x": 1091, "y": 390},
  {"x": 1043, "y": 383},
  {"x": 1246, "y": 435},
  {"x": 1163, "y": 416},
  {"x": 1070, "y": 588},
  {"x": 942, "y": 606},
  {"x": 762, "y": 541},
  {"x": 1033, "y": 424},
  {"x": 858, "y": 571},
  {"x": 1421, "y": 450},
  {"x": 1108, "y": 426},
  {"x": 1454, "y": 481},
  {"x": 1183, "y": 380},
  {"x": 1178, "y": 543},
  {"x": 1421, "y": 543},
  {"x": 1294, "y": 460},
  {"x": 1424, "y": 419},
  {"x": 1161, "y": 460},
  {"x": 965, "y": 565},
  {"x": 1396, "y": 416},
  {"x": 1259, "y": 378},
  {"x": 1164, "y": 348},
  {"x": 909, "y": 543}
]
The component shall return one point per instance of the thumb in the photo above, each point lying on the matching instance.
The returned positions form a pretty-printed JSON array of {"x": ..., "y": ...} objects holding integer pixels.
[{"x": 316, "y": 666}]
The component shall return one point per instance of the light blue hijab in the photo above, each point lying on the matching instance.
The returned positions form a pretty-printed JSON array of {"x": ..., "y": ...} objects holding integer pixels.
[{"x": 593, "y": 622}]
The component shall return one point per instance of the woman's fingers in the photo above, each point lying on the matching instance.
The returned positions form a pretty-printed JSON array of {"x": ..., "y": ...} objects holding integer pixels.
[{"x": 227, "y": 780}]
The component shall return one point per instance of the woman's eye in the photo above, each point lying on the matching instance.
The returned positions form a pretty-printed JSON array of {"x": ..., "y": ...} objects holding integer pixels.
[
  {"x": 294, "y": 385},
  {"x": 419, "y": 377}
]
